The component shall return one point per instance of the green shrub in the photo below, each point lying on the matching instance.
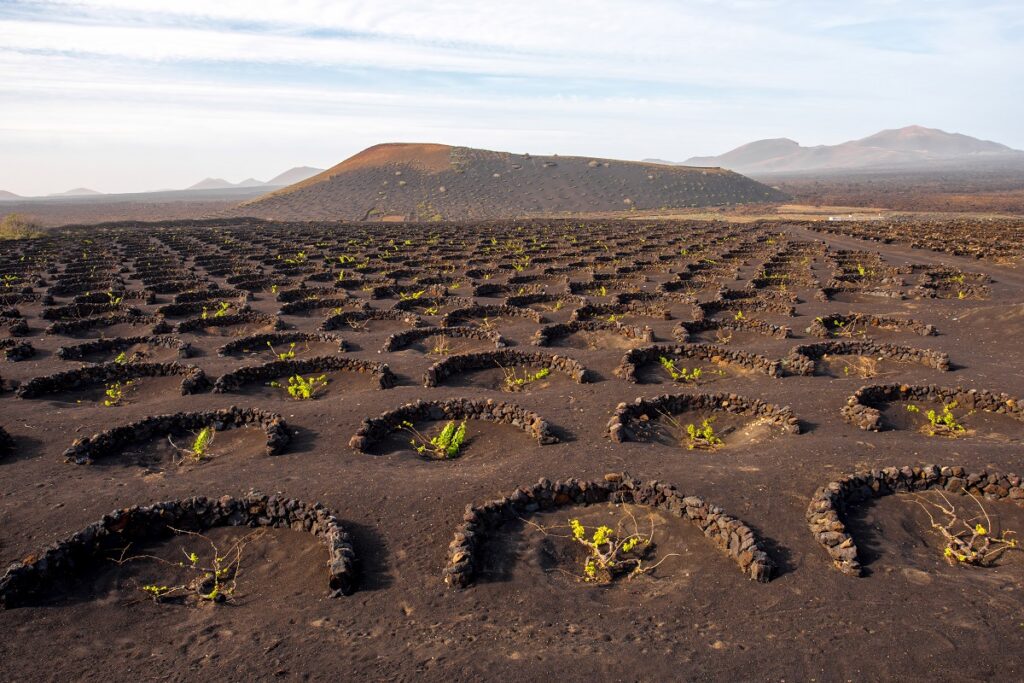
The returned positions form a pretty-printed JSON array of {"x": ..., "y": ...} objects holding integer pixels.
[
  {"x": 446, "y": 444},
  {"x": 15, "y": 226}
]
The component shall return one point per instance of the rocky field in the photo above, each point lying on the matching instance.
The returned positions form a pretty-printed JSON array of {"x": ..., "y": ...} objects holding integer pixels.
[{"x": 633, "y": 450}]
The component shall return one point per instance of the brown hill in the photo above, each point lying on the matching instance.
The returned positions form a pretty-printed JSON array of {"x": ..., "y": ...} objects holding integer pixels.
[{"x": 433, "y": 182}]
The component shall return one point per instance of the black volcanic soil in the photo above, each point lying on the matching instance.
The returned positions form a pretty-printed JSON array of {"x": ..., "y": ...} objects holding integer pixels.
[{"x": 912, "y": 617}]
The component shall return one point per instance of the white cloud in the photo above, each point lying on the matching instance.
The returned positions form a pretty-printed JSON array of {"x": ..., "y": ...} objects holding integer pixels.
[{"x": 247, "y": 88}]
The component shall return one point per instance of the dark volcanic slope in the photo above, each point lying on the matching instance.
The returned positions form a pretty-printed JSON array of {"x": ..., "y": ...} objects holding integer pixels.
[{"x": 432, "y": 182}]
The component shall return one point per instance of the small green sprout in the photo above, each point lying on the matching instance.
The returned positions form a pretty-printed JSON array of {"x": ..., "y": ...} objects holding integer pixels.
[
  {"x": 202, "y": 441},
  {"x": 703, "y": 436},
  {"x": 679, "y": 374},
  {"x": 222, "y": 310},
  {"x": 944, "y": 423},
  {"x": 513, "y": 382},
  {"x": 975, "y": 545},
  {"x": 156, "y": 592},
  {"x": 283, "y": 355},
  {"x": 440, "y": 345},
  {"x": 114, "y": 393},
  {"x": 214, "y": 580},
  {"x": 612, "y": 553},
  {"x": 445, "y": 444},
  {"x": 301, "y": 388}
]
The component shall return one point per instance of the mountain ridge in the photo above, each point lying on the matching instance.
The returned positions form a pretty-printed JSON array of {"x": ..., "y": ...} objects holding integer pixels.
[
  {"x": 76, "y": 192},
  {"x": 910, "y": 147},
  {"x": 289, "y": 177}
]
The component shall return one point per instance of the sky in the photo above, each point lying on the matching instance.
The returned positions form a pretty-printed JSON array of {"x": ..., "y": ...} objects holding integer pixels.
[{"x": 137, "y": 95}]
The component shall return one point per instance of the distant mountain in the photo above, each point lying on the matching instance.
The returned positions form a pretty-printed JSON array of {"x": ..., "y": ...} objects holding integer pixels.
[
  {"x": 433, "y": 182},
  {"x": 4, "y": 194},
  {"x": 752, "y": 155},
  {"x": 910, "y": 148},
  {"x": 932, "y": 142},
  {"x": 292, "y": 175},
  {"x": 76, "y": 192},
  {"x": 211, "y": 184}
]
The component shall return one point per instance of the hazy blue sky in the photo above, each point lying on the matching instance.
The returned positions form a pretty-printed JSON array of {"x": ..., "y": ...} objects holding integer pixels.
[{"x": 131, "y": 95}]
